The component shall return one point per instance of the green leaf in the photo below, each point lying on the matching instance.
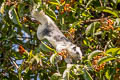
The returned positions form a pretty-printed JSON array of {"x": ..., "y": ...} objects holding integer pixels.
[
  {"x": 94, "y": 53},
  {"x": 117, "y": 21},
  {"x": 66, "y": 74},
  {"x": 111, "y": 12},
  {"x": 31, "y": 54},
  {"x": 80, "y": 1},
  {"x": 56, "y": 76},
  {"x": 58, "y": 1},
  {"x": 88, "y": 3},
  {"x": 86, "y": 75},
  {"x": 118, "y": 1},
  {"x": 46, "y": 48},
  {"x": 53, "y": 3},
  {"x": 85, "y": 42},
  {"x": 105, "y": 59},
  {"x": 2, "y": 8},
  {"x": 37, "y": 1},
  {"x": 114, "y": 51},
  {"x": 21, "y": 8},
  {"x": 107, "y": 74},
  {"x": 37, "y": 57},
  {"x": 76, "y": 23},
  {"x": 98, "y": 33},
  {"x": 51, "y": 13},
  {"x": 90, "y": 30},
  {"x": 52, "y": 58},
  {"x": 108, "y": 10},
  {"x": 14, "y": 16}
]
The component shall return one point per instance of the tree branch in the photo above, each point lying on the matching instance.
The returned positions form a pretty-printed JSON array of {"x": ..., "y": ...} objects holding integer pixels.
[{"x": 94, "y": 20}]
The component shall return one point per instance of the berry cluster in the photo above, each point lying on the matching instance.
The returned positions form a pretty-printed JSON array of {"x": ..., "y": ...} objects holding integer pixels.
[
  {"x": 108, "y": 25},
  {"x": 95, "y": 62},
  {"x": 21, "y": 49},
  {"x": 63, "y": 53},
  {"x": 65, "y": 7},
  {"x": 71, "y": 33}
]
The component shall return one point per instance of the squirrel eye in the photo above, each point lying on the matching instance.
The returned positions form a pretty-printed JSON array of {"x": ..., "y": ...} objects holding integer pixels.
[{"x": 74, "y": 48}]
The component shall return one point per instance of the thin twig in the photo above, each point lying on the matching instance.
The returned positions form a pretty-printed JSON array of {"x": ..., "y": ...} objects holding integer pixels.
[
  {"x": 25, "y": 37},
  {"x": 101, "y": 6},
  {"x": 101, "y": 3},
  {"x": 106, "y": 45},
  {"x": 70, "y": 37},
  {"x": 57, "y": 68},
  {"x": 14, "y": 63},
  {"x": 77, "y": 39}
]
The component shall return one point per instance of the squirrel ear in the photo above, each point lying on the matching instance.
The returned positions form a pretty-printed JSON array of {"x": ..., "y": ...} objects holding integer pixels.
[{"x": 42, "y": 12}]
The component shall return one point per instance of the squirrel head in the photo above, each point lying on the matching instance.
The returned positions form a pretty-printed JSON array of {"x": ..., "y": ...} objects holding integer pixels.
[{"x": 39, "y": 15}]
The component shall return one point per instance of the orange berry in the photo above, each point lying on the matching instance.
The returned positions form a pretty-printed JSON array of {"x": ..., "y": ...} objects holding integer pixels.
[
  {"x": 110, "y": 21},
  {"x": 95, "y": 57},
  {"x": 111, "y": 27},
  {"x": 98, "y": 57},
  {"x": 61, "y": 1},
  {"x": 47, "y": 1},
  {"x": 60, "y": 53},
  {"x": 72, "y": 1},
  {"x": 72, "y": 30},
  {"x": 117, "y": 69},
  {"x": 68, "y": 9},
  {"x": 105, "y": 28},
  {"x": 64, "y": 56},
  {"x": 25, "y": 19},
  {"x": 102, "y": 27},
  {"x": 94, "y": 62},
  {"x": 66, "y": 35},
  {"x": 62, "y": 12},
  {"x": 67, "y": 5},
  {"x": 57, "y": 7},
  {"x": 65, "y": 8},
  {"x": 97, "y": 69}
]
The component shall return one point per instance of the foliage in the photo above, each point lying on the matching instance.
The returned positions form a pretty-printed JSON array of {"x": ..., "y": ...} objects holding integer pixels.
[{"x": 94, "y": 25}]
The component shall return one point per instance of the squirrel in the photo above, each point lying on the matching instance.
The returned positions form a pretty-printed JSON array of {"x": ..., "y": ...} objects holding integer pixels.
[{"x": 49, "y": 30}]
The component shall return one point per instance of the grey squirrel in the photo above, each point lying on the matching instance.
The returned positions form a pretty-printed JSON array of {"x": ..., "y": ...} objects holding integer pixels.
[{"x": 49, "y": 30}]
